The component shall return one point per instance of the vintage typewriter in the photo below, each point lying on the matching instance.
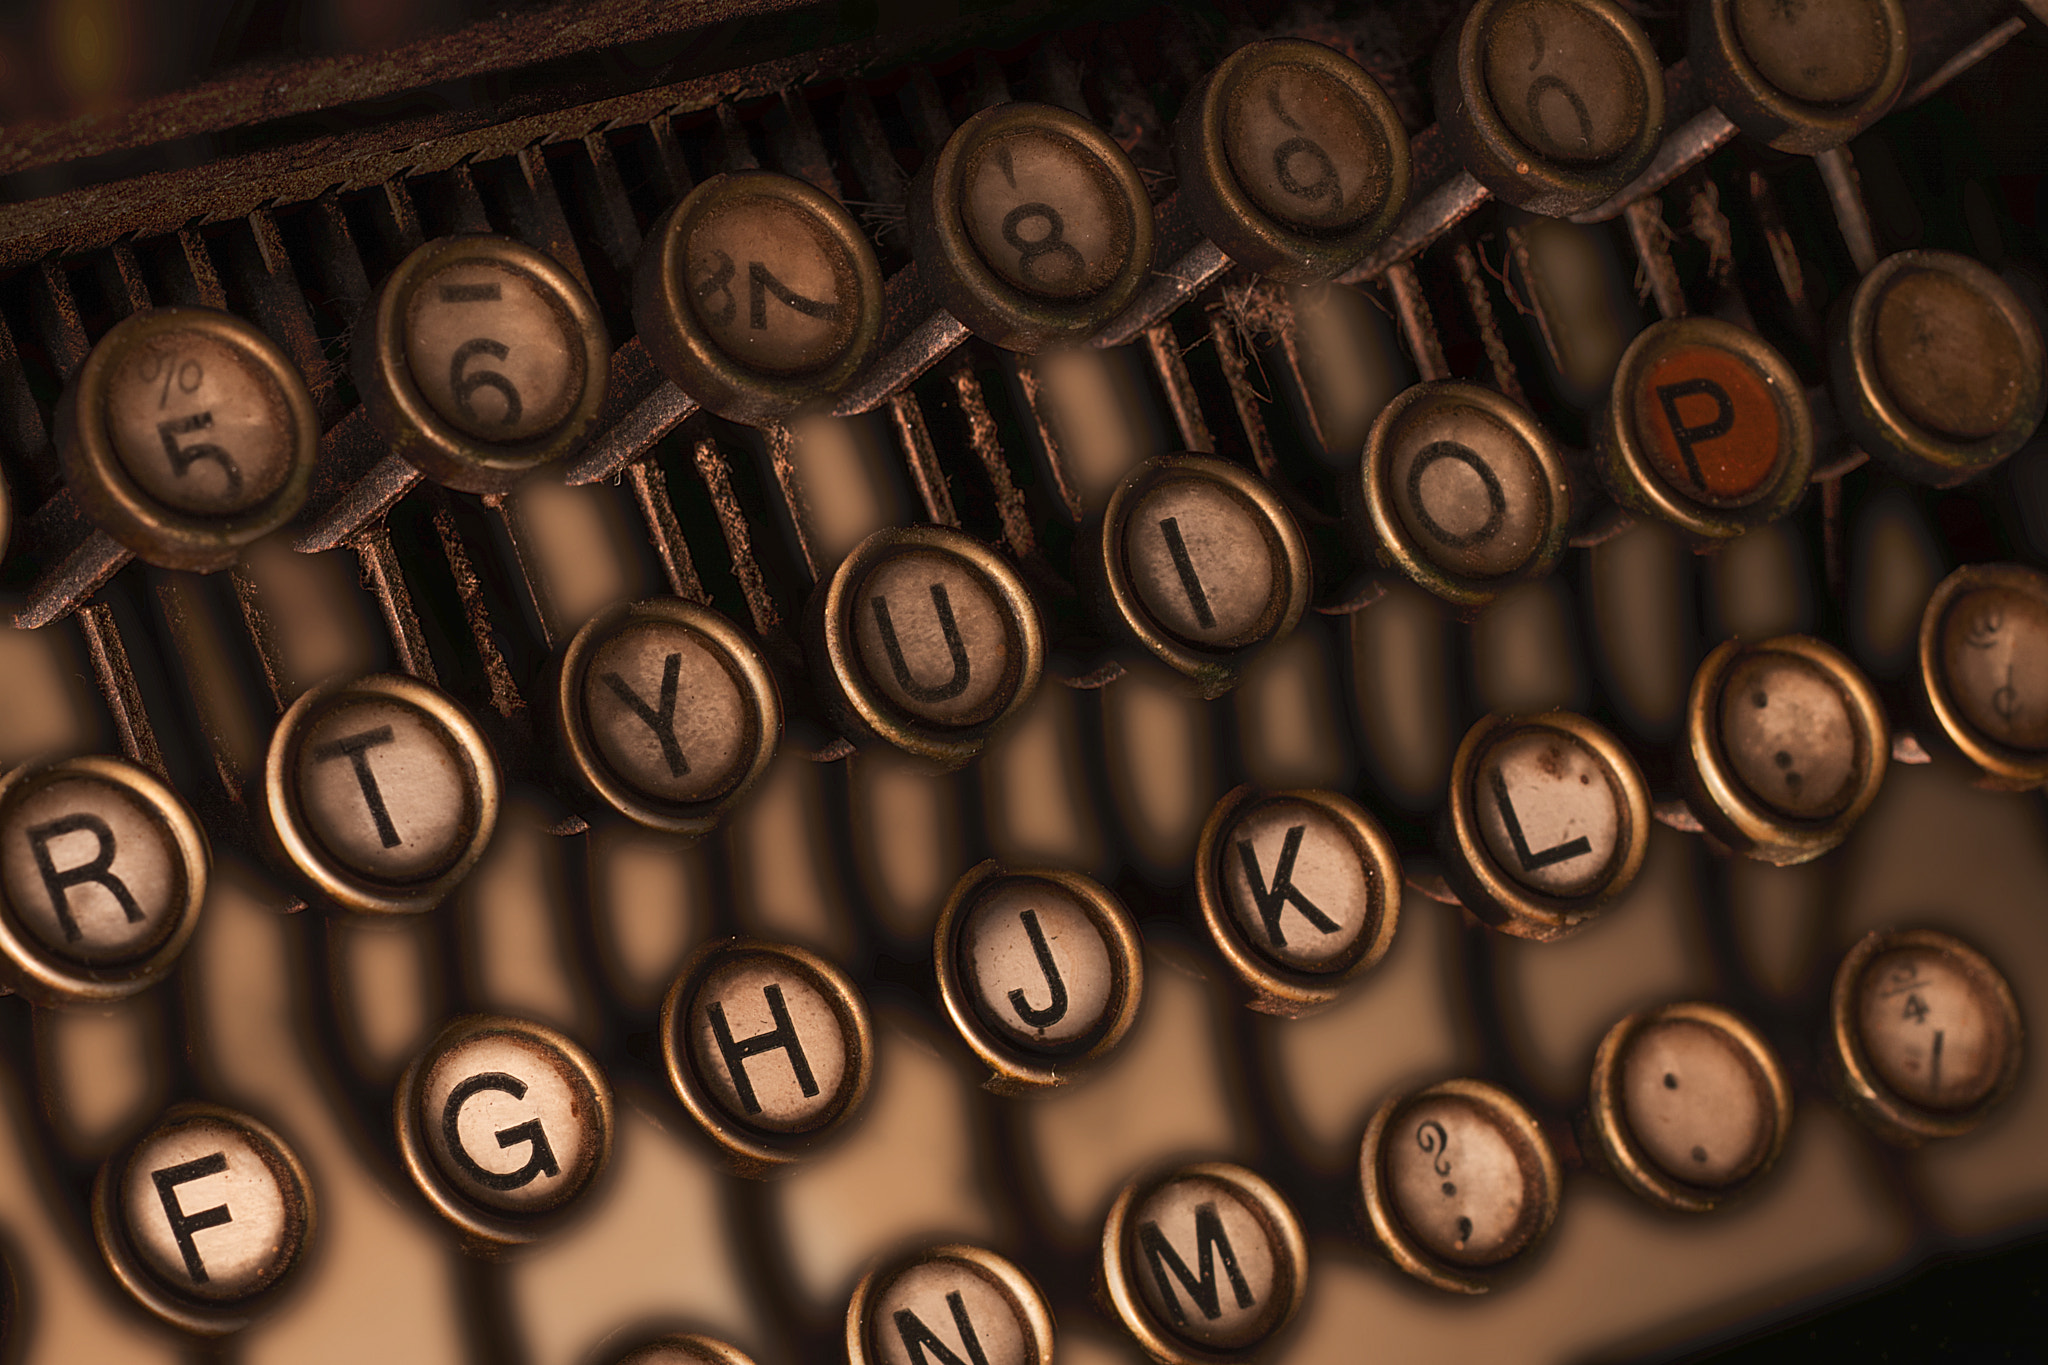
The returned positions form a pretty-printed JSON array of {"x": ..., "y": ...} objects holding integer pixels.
[{"x": 761, "y": 681}]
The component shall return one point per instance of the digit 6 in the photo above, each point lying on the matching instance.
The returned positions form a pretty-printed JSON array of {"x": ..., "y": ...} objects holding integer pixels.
[{"x": 465, "y": 385}]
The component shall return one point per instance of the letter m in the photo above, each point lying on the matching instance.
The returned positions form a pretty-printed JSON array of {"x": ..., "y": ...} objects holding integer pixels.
[{"x": 1203, "y": 1289}]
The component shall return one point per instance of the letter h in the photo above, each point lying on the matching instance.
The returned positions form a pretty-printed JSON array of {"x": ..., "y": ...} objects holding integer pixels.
[{"x": 780, "y": 1038}]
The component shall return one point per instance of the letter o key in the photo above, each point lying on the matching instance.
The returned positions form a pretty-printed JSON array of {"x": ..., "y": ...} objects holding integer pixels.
[
  {"x": 481, "y": 360},
  {"x": 1707, "y": 427},
  {"x": 1203, "y": 1263},
  {"x": 927, "y": 639},
  {"x": 1462, "y": 490},
  {"x": 186, "y": 435},
  {"x": 381, "y": 791},
  {"x": 103, "y": 872},
  {"x": 203, "y": 1217},
  {"x": 504, "y": 1125},
  {"x": 769, "y": 1047},
  {"x": 1042, "y": 971}
]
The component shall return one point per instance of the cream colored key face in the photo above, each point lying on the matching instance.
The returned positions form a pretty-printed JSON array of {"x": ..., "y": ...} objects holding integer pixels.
[
  {"x": 1790, "y": 735},
  {"x": 1041, "y": 972},
  {"x": 386, "y": 790},
  {"x": 1563, "y": 82},
  {"x": 1929, "y": 1030},
  {"x": 769, "y": 1045},
  {"x": 1994, "y": 658},
  {"x": 511, "y": 1119},
  {"x": 667, "y": 714},
  {"x": 1549, "y": 812},
  {"x": 1045, "y": 214},
  {"x": 1947, "y": 355},
  {"x": 934, "y": 640},
  {"x": 1469, "y": 490},
  {"x": 210, "y": 1208},
  {"x": 1820, "y": 51},
  {"x": 200, "y": 425},
  {"x": 1459, "y": 1182},
  {"x": 770, "y": 285},
  {"x": 1693, "y": 1100},
  {"x": 1305, "y": 147},
  {"x": 493, "y": 355},
  {"x": 93, "y": 870},
  {"x": 947, "y": 1306},
  {"x": 1298, "y": 888},
  {"x": 1194, "y": 1219},
  {"x": 683, "y": 1350},
  {"x": 1202, "y": 563}
]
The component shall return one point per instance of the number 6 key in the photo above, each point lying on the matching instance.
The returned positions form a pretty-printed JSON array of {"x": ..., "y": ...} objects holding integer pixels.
[{"x": 482, "y": 361}]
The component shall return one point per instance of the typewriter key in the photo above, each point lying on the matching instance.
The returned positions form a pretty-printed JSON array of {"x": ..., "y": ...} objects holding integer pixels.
[
  {"x": 926, "y": 638},
  {"x": 948, "y": 1303},
  {"x": 1689, "y": 1105},
  {"x": 482, "y": 360},
  {"x": 1203, "y": 1263},
  {"x": 1804, "y": 77},
  {"x": 186, "y": 435},
  {"x": 1926, "y": 1033},
  {"x": 1458, "y": 1181},
  {"x": 203, "y": 1217},
  {"x": 758, "y": 295},
  {"x": 1041, "y": 970},
  {"x": 1554, "y": 105},
  {"x": 1301, "y": 891},
  {"x": 1292, "y": 159},
  {"x": 1199, "y": 562},
  {"x": 1936, "y": 366},
  {"x": 1549, "y": 822},
  {"x": 504, "y": 1125},
  {"x": 1707, "y": 427},
  {"x": 102, "y": 874},
  {"x": 382, "y": 791},
  {"x": 668, "y": 711},
  {"x": 1033, "y": 225},
  {"x": 768, "y": 1047},
  {"x": 1984, "y": 668},
  {"x": 683, "y": 1349},
  {"x": 1463, "y": 491},
  {"x": 1786, "y": 746}
]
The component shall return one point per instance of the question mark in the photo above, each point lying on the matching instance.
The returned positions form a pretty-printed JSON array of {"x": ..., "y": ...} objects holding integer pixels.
[{"x": 1431, "y": 1138}]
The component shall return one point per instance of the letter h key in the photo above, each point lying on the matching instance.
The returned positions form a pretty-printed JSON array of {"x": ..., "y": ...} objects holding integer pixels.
[{"x": 780, "y": 1038}]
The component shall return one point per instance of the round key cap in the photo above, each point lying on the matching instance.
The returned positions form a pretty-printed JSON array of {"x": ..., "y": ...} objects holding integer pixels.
[
  {"x": 758, "y": 295},
  {"x": 769, "y": 1048},
  {"x": 1786, "y": 746},
  {"x": 381, "y": 791},
  {"x": 203, "y": 1218},
  {"x": 685, "y": 1348},
  {"x": 102, "y": 874},
  {"x": 1041, "y": 970},
  {"x": 1554, "y": 105},
  {"x": 927, "y": 639},
  {"x": 186, "y": 435},
  {"x": 1936, "y": 366},
  {"x": 1549, "y": 822},
  {"x": 1707, "y": 427},
  {"x": 1689, "y": 1104},
  {"x": 504, "y": 1125},
  {"x": 1201, "y": 564},
  {"x": 1300, "y": 890},
  {"x": 1292, "y": 159},
  {"x": 481, "y": 360},
  {"x": 1166, "y": 1227},
  {"x": 1984, "y": 668},
  {"x": 1926, "y": 1034},
  {"x": 957, "y": 1302},
  {"x": 1463, "y": 491},
  {"x": 668, "y": 712},
  {"x": 1033, "y": 224},
  {"x": 1458, "y": 1181},
  {"x": 1801, "y": 77}
]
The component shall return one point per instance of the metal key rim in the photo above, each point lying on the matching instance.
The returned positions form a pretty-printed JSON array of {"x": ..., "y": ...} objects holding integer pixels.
[
  {"x": 2002, "y": 763},
  {"x": 1009, "y": 1280},
  {"x": 1726, "y": 75}
]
